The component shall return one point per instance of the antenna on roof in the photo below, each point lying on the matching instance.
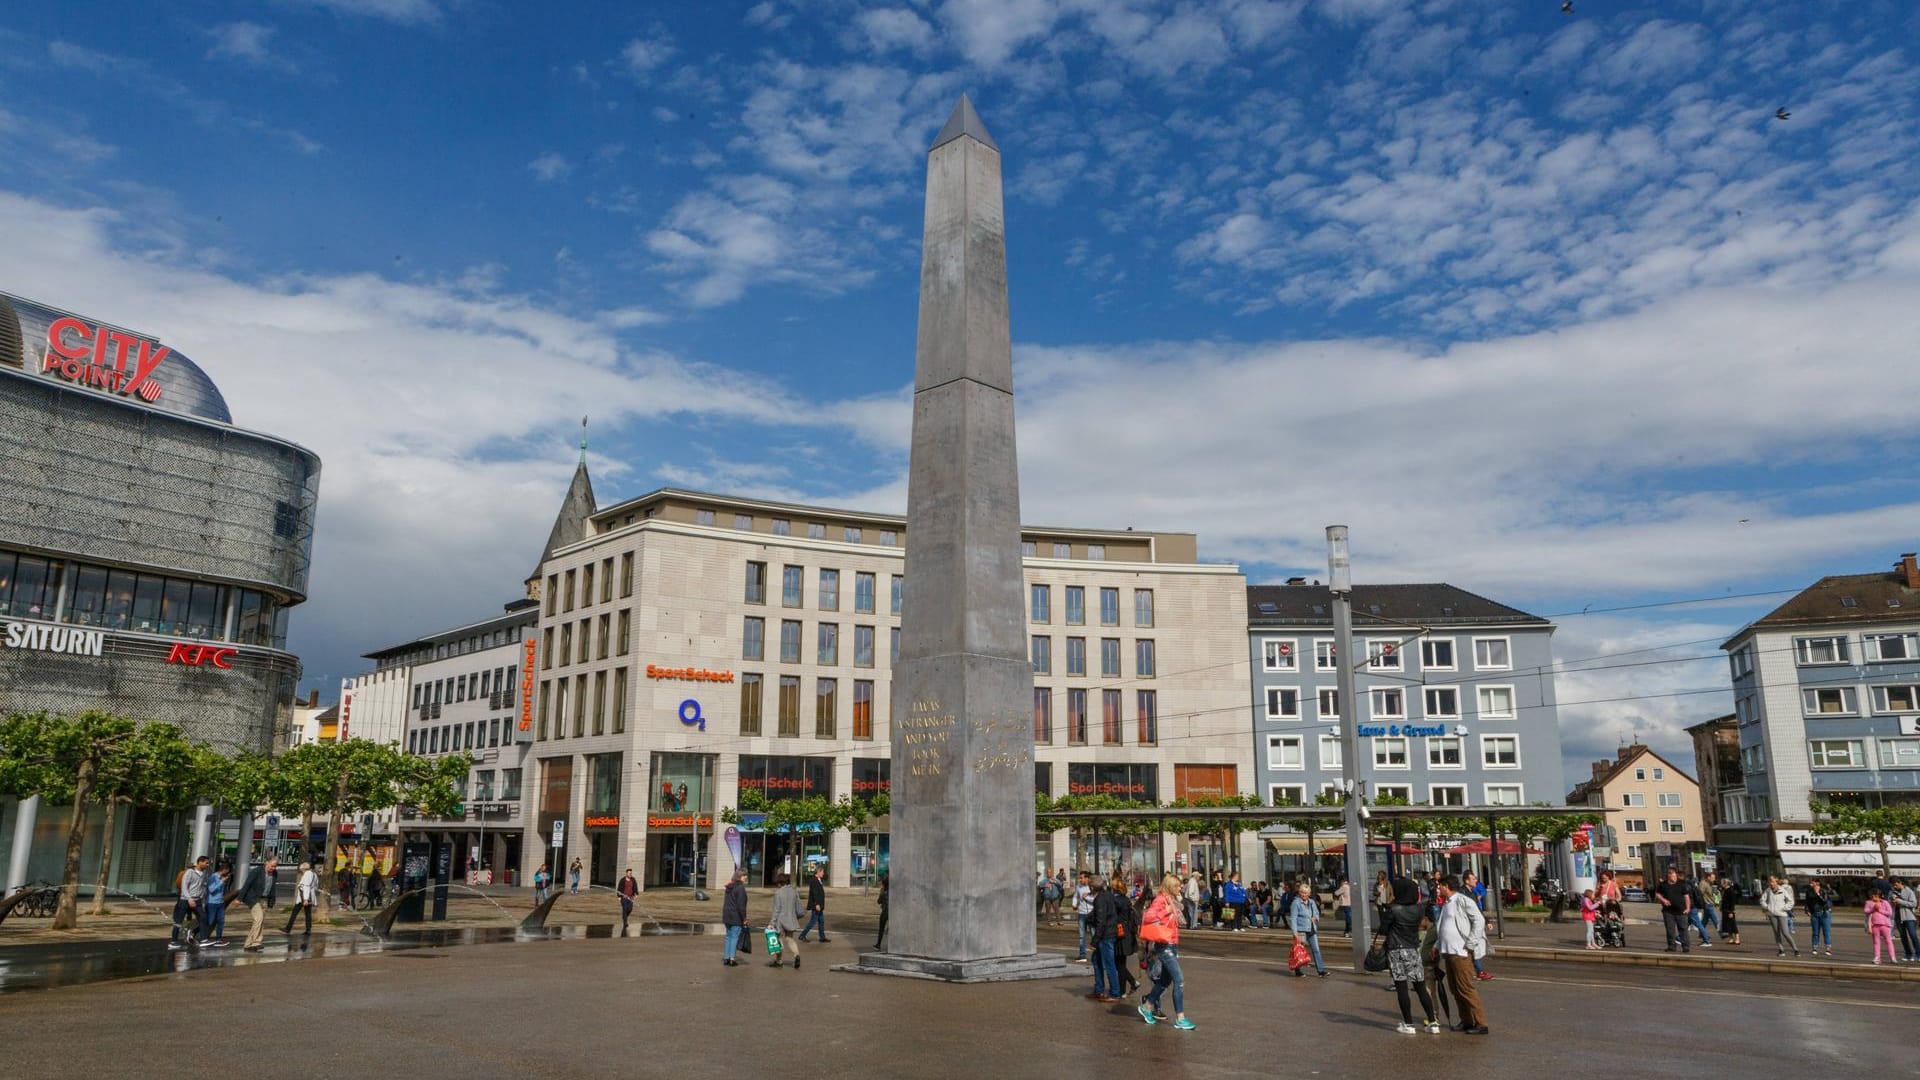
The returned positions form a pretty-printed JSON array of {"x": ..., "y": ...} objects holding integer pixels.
[{"x": 583, "y": 440}]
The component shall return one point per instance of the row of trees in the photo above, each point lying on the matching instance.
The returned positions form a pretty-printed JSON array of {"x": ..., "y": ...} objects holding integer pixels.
[{"x": 98, "y": 759}]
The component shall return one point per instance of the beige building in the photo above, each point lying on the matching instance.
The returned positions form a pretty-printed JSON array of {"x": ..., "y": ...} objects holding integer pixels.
[
  {"x": 693, "y": 645},
  {"x": 1649, "y": 802}
]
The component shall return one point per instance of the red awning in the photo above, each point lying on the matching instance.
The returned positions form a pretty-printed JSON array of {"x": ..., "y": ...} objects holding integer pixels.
[{"x": 1480, "y": 847}]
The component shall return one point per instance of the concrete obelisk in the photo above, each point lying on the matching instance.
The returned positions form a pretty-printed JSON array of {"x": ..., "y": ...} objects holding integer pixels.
[{"x": 962, "y": 865}]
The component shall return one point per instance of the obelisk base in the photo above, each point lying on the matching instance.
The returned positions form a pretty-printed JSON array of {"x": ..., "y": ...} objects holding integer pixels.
[{"x": 993, "y": 969}]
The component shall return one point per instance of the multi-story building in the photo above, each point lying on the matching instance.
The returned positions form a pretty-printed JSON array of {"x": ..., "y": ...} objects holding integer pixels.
[
  {"x": 150, "y": 552},
  {"x": 1653, "y": 814},
  {"x": 1826, "y": 696},
  {"x": 461, "y": 690},
  {"x": 1456, "y": 698},
  {"x": 695, "y": 645},
  {"x": 1716, "y": 759}
]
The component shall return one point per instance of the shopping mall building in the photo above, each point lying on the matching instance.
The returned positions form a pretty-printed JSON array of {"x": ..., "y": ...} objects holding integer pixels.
[
  {"x": 692, "y": 646},
  {"x": 149, "y": 554}
]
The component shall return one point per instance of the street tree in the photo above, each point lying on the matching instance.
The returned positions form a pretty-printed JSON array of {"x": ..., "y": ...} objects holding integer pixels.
[
  {"x": 64, "y": 757},
  {"x": 1882, "y": 826},
  {"x": 157, "y": 767}
]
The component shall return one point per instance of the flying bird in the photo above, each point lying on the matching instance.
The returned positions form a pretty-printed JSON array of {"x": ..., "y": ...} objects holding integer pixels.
[
  {"x": 1566, "y": 7},
  {"x": 1781, "y": 113}
]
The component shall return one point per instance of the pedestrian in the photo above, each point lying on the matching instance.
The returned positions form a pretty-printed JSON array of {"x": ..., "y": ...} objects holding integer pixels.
[
  {"x": 1879, "y": 884},
  {"x": 1710, "y": 899},
  {"x": 304, "y": 893},
  {"x": 1676, "y": 899},
  {"x": 1083, "y": 912},
  {"x": 1820, "y": 915},
  {"x": 1106, "y": 921},
  {"x": 1160, "y": 926},
  {"x": 1609, "y": 888},
  {"x": 1050, "y": 894},
  {"x": 1463, "y": 935},
  {"x": 1400, "y": 922},
  {"x": 1234, "y": 899},
  {"x": 1696, "y": 913},
  {"x": 1729, "y": 915},
  {"x": 733, "y": 916},
  {"x": 1879, "y": 913},
  {"x": 1589, "y": 914},
  {"x": 817, "y": 904},
  {"x": 1904, "y": 903},
  {"x": 628, "y": 889},
  {"x": 785, "y": 922},
  {"x": 1477, "y": 889},
  {"x": 256, "y": 892},
  {"x": 1217, "y": 897},
  {"x": 542, "y": 879},
  {"x": 1062, "y": 889},
  {"x": 214, "y": 934},
  {"x": 1382, "y": 891},
  {"x": 189, "y": 906},
  {"x": 1190, "y": 897},
  {"x": 573, "y": 878},
  {"x": 1777, "y": 901},
  {"x": 880, "y": 942},
  {"x": 1126, "y": 942},
  {"x": 1343, "y": 900},
  {"x": 1304, "y": 921}
]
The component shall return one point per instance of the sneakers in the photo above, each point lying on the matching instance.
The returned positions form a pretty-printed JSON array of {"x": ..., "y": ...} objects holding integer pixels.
[
  {"x": 1706, "y": 944},
  {"x": 1184, "y": 1024},
  {"x": 1481, "y": 1030},
  {"x": 1483, "y": 975},
  {"x": 1079, "y": 959},
  {"x": 796, "y": 963},
  {"x": 174, "y": 946},
  {"x": 1433, "y": 1027},
  {"x": 1407, "y": 1029},
  {"x": 1146, "y": 1013}
]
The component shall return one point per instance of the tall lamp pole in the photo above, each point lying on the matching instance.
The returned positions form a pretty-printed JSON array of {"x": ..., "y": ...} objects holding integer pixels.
[{"x": 1340, "y": 577}]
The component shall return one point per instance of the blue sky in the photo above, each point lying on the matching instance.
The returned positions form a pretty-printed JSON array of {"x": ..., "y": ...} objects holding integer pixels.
[{"x": 1550, "y": 306}]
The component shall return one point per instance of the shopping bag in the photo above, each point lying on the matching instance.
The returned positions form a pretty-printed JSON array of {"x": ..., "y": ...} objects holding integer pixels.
[
  {"x": 1376, "y": 956},
  {"x": 1300, "y": 957},
  {"x": 773, "y": 942},
  {"x": 1156, "y": 933}
]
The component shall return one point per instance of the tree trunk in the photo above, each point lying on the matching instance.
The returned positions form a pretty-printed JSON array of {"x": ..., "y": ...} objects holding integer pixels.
[
  {"x": 323, "y": 896},
  {"x": 67, "y": 915},
  {"x": 106, "y": 861},
  {"x": 1886, "y": 861}
]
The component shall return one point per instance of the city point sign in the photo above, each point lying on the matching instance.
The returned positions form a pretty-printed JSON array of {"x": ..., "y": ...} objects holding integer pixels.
[{"x": 103, "y": 358}]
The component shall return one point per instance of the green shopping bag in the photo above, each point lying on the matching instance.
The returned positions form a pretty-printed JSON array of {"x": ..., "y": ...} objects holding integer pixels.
[{"x": 773, "y": 941}]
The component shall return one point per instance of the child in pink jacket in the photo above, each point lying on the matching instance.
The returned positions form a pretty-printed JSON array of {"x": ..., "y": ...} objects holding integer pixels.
[{"x": 1880, "y": 924}]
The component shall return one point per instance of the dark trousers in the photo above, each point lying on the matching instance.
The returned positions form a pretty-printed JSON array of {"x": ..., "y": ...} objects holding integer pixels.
[
  {"x": 1910, "y": 938},
  {"x": 881, "y": 941},
  {"x": 626, "y": 909},
  {"x": 1676, "y": 922},
  {"x": 297, "y": 911},
  {"x": 182, "y": 912},
  {"x": 815, "y": 918}
]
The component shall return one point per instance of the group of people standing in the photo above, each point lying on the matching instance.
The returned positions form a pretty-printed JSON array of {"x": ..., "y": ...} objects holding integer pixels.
[
  {"x": 1693, "y": 905},
  {"x": 205, "y": 892},
  {"x": 1439, "y": 941}
]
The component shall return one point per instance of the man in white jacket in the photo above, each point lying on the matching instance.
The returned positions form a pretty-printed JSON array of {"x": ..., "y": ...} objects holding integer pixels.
[
  {"x": 1463, "y": 938},
  {"x": 304, "y": 893}
]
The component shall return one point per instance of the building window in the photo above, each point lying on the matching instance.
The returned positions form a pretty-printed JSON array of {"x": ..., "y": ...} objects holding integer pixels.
[
  {"x": 586, "y": 639},
  {"x": 1041, "y": 605},
  {"x": 1280, "y": 655},
  {"x": 1436, "y": 654},
  {"x": 753, "y": 638},
  {"x": 863, "y": 708},
  {"x": 1513, "y": 795},
  {"x": 626, "y": 575},
  {"x": 1838, "y": 753},
  {"x": 1076, "y": 656},
  {"x": 606, "y": 631},
  {"x": 580, "y": 707},
  {"x": 1659, "y": 773},
  {"x": 1815, "y": 651},
  {"x": 1110, "y": 657},
  {"x": 1880, "y": 648},
  {"x": 1286, "y": 795},
  {"x": 1076, "y": 718},
  {"x": 850, "y": 534},
  {"x": 1143, "y": 607},
  {"x": 863, "y": 592},
  {"x": 1109, "y": 607},
  {"x": 1383, "y": 656},
  {"x": 1492, "y": 654},
  {"x": 1329, "y": 704},
  {"x": 863, "y": 646},
  {"x": 781, "y": 527},
  {"x": 826, "y": 709},
  {"x": 816, "y": 531},
  {"x": 1076, "y": 605},
  {"x": 599, "y": 703},
  {"x": 1672, "y": 825},
  {"x": 1447, "y": 794},
  {"x": 1669, "y": 798},
  {"x": 1442, "y": 703},
  {"x": 1042, "y": 655},
  {"x": 889, "y": 538},
  {"x": 1097, "y": 552},
  {"x": 1639, "y": 774},
  {"x": 1633, "y": 798},
  {"x": 546, "y": 693},
  {"x": 899, "y": 587},
  {"x": 1387, "y": 703},
  {"x": 1146, "y": 705},
  {"x": 1110, "y": 719},
  {"x": 1330, "y": 752},
  {"x": 756, "y": 583},
  {"x": 793, "y": 587},
  {"x": 1324, "y": 658},
  {"x": 893, "y": 646},
  {"x": 621, "y": 644},
  {"x": 1283, "y": 703},
  {"x": 1027, "y": 549},
  {"x": 703, "y": 517},
  {"x": 566, "y": 597},
  {"x": 566, "y": 643},
  {"x": 1062, "y": 551},
  {"x": 1393, "y": 794},
  {"x": 1900, "y": 753},
  {"x": 1285, "y": 752},
  {"x": 790, "y": 641},
  {"x": 1831, "y": 701},
  {"x": 586, "y": 585},
  {"x": 751, "y": 696},
  {"x": 553, "y": 592},
  {"x": 790, "y": 705},
  {"x": 619, "y": 700},
  {"x": 1901, "y": 698},
  {"x": 829, "y": 644},
  {"x": 1443, "y": 752},
  {"x": 1042, "y": 715},
  {"x": 829, "y": 590},
  {"x": 1389, "y": 752},
  {"x": 1496, "y": 702},
  {"x": 1143, "y": 659},
  {"x": 743, "y": 522},
  {"x": 1500, "y": 751}
]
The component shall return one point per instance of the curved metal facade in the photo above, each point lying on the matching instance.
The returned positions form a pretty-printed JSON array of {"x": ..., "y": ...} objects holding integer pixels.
[{"x": 178, "y": 384}]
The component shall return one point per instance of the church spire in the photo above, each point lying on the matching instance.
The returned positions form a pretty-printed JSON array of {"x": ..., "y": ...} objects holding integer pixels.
[{"x": 573, "y": 523}]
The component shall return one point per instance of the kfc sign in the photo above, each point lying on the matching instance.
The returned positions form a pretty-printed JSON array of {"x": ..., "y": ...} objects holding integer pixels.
[
  {"x": 219, "y": 656},
  {"x": 103, "y": 358}
]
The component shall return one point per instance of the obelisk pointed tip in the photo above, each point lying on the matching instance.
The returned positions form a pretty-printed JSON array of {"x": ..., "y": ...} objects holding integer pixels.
[{"x": 964, "y": 121}]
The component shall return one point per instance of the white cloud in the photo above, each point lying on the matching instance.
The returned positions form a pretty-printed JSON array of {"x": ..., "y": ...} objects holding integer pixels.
[
  {"x": 887, "y": 29},
  {"x": 549, "y": 167},
  {"x": 144, "y": 78},
  {"x": 243, "y": 41},
  {"x": 644, "y": 54},
  {"x": 989, "y": 31},
  {"x": 399, "y": 11}
]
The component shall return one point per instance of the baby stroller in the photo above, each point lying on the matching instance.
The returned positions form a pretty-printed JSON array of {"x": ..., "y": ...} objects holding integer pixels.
[{"x": 1610, "y": 929}]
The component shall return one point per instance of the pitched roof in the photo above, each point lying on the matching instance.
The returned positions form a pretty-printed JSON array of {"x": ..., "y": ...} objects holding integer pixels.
[
  {"x": 572, "y": 524},
  {"x": 963, "y": 121},
  {"x": 1633, "y": 753},
  {"x": 1841, "y": 599},
  {"x": 1437, "y": 604}
]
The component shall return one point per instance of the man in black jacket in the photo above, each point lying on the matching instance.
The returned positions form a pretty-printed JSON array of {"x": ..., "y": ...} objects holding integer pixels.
[
  {"x": 816, "y": 904},
  {"x": 1109, "y": 912},
  {"x": 733, "y": 915},
  {"x": 256, "y": 891},
  {"x": 1676, "y": 900}
]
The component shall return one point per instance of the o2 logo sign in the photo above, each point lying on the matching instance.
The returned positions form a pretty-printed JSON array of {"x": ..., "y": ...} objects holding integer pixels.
[{"x": 690, "y": 714}]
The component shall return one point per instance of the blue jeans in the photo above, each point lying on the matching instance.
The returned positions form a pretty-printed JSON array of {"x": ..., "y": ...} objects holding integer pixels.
[
  {"x": 1312, "y": 940},
  {"x": 1712, "y": 915},
  {"x": 1698, "y": 921},
  {"x": 732, "y": 949},
  {"x": 1822, "y": 928},
  {"x": 215, "y": 924},
  {"x": 1085, "y": 929},
  {"x": 1169, "y": 976},
  {"x": 819, "y": 919},
  {"x": 1910, "y": 937},
  {"x": 1106, "y": 978}
]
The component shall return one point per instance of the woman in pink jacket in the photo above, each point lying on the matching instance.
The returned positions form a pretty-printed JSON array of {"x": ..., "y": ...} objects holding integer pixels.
[{"x": 1880, "y": 924}]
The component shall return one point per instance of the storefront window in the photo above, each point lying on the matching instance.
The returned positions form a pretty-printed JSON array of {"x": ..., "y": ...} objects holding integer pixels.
[
  {"x": 1138, "y": 783},
  {"x": 787, "y": 777},
  {"x": 603, "y": 783},
  {"x": 556, "y": 784},
  {"x": 871, "y": 776},
  {"x": 682, "y": 783}
]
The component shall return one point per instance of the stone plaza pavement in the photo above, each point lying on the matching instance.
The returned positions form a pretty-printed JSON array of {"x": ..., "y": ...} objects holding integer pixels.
[{"x": 664, "y": 1006}]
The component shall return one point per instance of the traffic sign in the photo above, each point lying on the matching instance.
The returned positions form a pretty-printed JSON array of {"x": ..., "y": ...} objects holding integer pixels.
[{"x": 559, "y": 835}]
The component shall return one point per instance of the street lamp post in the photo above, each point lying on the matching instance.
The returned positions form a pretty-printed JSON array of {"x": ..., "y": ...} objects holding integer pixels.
[{"x": 1340, "y": 578}]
